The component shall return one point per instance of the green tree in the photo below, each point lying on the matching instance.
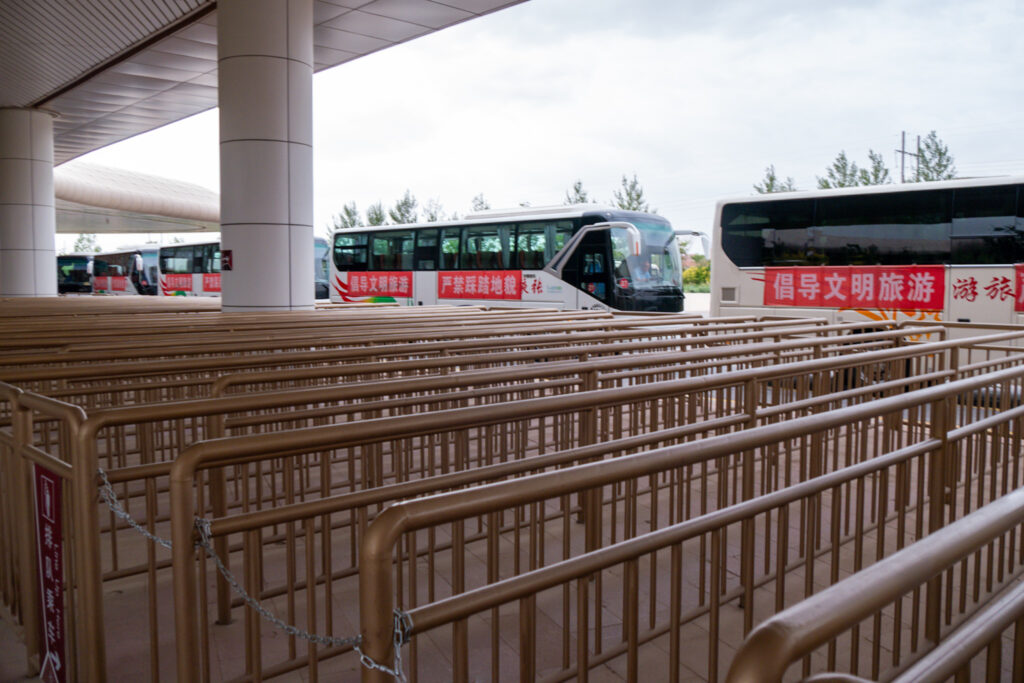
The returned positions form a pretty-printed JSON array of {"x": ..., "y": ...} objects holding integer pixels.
[
  {"x": 576, "y": 194},
  {"x": 842, "y": 173},
  {"x": 375, "y": 214},
  {"x": 631, "y": 196},
  {"x": 771, "y": 183},
  {"x": 934, "y": 162},
  {"x": 877, "y": 173},
  {"x": 433, "y": 211},
  {"x": 86, "y": 242},
  {"x": 404, "y": 210},
  {"x": 348, "y": 218},
  {"x": 479, "y": 203}
]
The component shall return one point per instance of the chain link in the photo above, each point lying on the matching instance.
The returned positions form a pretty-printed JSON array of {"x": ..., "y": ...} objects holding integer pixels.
[
  {"x": 402, "y": 626},
  {"x": 108, "y": 495}
]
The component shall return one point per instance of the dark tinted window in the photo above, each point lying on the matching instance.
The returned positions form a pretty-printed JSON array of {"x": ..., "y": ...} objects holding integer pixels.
[
  {"x": 873, "y": 229},
  {"x": 882, "y": 229},
  {"x": 392, "y": 250},
  {"x": 450, "y": 240},
  {"x": 176, "y": 259},
  {"x": 426, "y": 250},
  {"x": 485, "y": 247},
  {"x": 350, "y": 251},
  {"x": 767, "y": 233},
  {"x": 986, "y": 226}
]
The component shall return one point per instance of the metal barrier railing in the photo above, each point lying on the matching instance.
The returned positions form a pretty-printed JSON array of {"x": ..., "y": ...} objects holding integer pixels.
[
  {"x": 822, "y": 365},
  {"x": 720, "y": 405},
  {"x": 986, "y": 541},
  {"x": 378, "y": 552}
]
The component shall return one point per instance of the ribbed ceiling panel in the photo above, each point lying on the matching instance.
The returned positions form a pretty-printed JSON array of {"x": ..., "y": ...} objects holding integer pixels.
[{"x": 116, "y": 68}]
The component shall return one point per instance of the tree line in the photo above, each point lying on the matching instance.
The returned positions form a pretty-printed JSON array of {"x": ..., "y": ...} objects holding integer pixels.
[
  {"x": 932, "y": 162},
  {"x": 406, "y": 209}
]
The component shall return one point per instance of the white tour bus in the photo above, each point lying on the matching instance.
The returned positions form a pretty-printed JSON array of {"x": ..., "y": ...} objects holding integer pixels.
[
  {"x": 194, "y": 269},
  {"x": 130, "y": 270},
  {"x": 582, "y": 257},
  {"x": 950, "y": 251}
]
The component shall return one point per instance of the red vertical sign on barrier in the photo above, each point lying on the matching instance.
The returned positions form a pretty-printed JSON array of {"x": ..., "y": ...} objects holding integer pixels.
[{"x": 50, "y": 551}]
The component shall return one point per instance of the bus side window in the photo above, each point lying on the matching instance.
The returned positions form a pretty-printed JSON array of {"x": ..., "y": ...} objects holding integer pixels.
[
  {"x": 200, "y": 258},
  {"x": 530, "y": 246},
  {"x": 426, "y": 250},
  {"x": 558, "y": 234},
  {"x": 450, "y": 238},
  {"x": 350, "y": 251}
]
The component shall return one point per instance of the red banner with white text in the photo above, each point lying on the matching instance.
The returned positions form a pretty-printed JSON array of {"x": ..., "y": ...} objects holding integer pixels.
[
  {"x": 50, "y": 552},
  {"x": 178, "y": 282},
  {"x": 380, "y": 283},
  {"x": 480, "y": 284},
  {"x": 1018, "y": 301},
  {"x": 905, "y": 288}
]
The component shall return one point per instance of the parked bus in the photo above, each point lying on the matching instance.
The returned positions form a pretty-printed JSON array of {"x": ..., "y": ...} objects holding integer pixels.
[
  {"x": 194, "y": 269},
  {"x": 190, "y": 269},
  {"x": 127, "y": 271},
  {"x": 584, "y": 256},
  {"x": 74, "y": 273},
  {"x": 949, "y": 251}
]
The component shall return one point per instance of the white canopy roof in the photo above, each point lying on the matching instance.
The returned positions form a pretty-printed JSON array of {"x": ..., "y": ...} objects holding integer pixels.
[{"x": 116, "y": 68}]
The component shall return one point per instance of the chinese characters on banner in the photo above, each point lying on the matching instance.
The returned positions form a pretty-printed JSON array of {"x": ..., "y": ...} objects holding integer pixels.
[
  {"x": 1018, "y": 302},
  {"x": 50, "y": 552},
  {"x": 111, "y": 283},
  {"x": 907, "y": 288},
  {"x": 398, "y": 284},
  {"x": 178, "y": 282},
  {"x": 211, "y": 282},
  {"x": 480, "y": 284}
]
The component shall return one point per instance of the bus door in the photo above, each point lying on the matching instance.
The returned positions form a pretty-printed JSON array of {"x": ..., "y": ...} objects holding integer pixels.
[{"x": 589, "y": 270}]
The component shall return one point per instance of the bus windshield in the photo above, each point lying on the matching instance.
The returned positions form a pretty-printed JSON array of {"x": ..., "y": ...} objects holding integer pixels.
[{"x": 658, "y": 263}]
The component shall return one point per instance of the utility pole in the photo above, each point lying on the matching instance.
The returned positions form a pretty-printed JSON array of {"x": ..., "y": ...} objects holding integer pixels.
[{"x": 902, "y": 151}]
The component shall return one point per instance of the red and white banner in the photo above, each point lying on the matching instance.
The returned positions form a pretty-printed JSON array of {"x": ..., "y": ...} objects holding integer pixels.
[
  {"x": 112, "y": 283},
  {"x": 380, "y": 283},
  {"x": 1018, "y": 301},
  {"x": 50, "y": 551},
  {"x": 480, "y": 284},
  {"x": 211, "y": 282},
  {"x": 178, "y": 282},
  {"x": 906, "y": 288}
]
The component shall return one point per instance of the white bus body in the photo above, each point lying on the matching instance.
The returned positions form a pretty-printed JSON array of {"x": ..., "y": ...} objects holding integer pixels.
[
  {"x": 570, "y": 257},
  {"x": 945, "y": 251}
]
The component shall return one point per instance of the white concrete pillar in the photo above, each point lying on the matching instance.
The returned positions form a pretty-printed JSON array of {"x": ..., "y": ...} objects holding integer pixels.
[
  {"x": 265, "y": 78},
  {"x": 28, "y": 221}
]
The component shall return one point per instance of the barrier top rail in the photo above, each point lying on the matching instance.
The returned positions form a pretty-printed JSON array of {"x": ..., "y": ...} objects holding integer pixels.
[
  {"x": 376, "y": 581},
  {"x": 786, "y": 637}
]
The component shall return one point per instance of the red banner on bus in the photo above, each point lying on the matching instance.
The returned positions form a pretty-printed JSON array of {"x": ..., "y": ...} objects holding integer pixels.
[
  {"x": 378, "y": 283},
  {"x": 211, "y": 282},
  {"x": 1018, "y": 301},
  {"x": 178, "y": 282},
  {"x": 905, "y": 288},
  {"x": 50, "y": 551},
  {"x": 480, "y": 284}
]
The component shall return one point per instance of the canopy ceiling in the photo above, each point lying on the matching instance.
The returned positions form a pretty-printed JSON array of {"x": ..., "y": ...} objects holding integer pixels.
[{"x": 112, "y": 69}]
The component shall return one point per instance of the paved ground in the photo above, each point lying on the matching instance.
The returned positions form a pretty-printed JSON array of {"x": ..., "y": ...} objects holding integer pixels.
[{"x": 697, "y": 303}]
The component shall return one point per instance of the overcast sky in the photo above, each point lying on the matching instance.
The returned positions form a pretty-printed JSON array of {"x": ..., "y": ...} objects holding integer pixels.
[{"x": 694, "y": 97}]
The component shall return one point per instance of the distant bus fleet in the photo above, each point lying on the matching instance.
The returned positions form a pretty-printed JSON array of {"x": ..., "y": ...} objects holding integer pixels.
[
  {"x": 943, "y": 251},
  {"x": 175, "y": 270}
]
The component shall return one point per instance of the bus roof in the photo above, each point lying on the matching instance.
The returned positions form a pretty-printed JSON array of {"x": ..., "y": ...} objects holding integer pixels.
[
  {"x": 875, "y": 189},
  {"x": 519, "y": 213}
]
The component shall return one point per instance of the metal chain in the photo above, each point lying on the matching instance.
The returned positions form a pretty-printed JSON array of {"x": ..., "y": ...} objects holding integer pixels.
[
  {"x": 402, "y": 627},
  {"x": 403, "y": 622},
  {"x": 108, "y": 495}
]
